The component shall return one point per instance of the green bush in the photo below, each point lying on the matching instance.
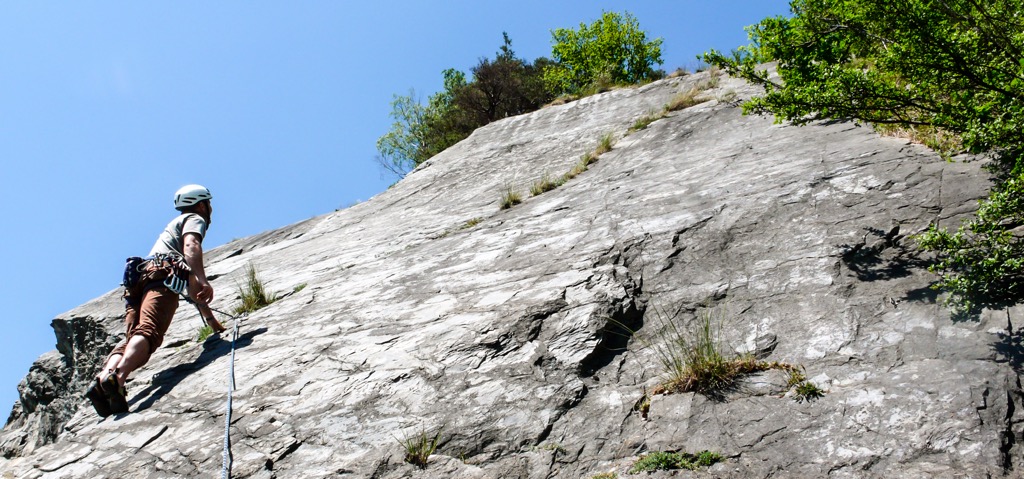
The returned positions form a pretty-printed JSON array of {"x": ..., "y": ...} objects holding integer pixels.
[
  {"x": 605, "y": 145},
  {"x": 613, "y": 50},
  {"x": 808, "y": 391},
  {"x": 982, "y": 263},
  {"x": 686, "y": 99}
]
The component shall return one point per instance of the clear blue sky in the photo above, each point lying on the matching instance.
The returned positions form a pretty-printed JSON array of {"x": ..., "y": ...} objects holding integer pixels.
[{"x": 106, "y": 108}]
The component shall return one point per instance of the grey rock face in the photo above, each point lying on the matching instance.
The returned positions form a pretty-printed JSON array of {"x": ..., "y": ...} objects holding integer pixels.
[{"x": 530, "y": 339}]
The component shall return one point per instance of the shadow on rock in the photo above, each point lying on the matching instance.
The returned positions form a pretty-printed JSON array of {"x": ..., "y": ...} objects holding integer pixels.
[
  {"x": 881, "y": 256},
  {"x": 1010, "y": 348},
  {"x": 164, "y": 381}
]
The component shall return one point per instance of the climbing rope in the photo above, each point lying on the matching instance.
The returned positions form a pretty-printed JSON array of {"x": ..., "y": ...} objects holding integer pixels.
[
  {"x": 227, "y": 459},
  {"x": 226, "y": 472}
]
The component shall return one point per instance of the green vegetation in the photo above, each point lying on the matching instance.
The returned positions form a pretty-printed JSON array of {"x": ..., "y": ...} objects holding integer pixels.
[
  {"x": 803, "y": 389},
  {"x": 949, "y": 75},
  {"x": 498, "y": 88},
  {"x": 253, "y": 293},
  {"x": 808, "y": 391},
  {"x": 643, "y": 405},
  {"x": 982, "y": 263},
  {"x": 693, "y": 360},
  {"x": 204, "y": 332},
  {"x": 583, "y": 165},
  {"x": 471, "y": 223},
  {"x": 419, "y": 448},
  {"x": 605, "y": 144},
  {"x": 611, "y": 51},
  {"x": 605, "y": 475},
  {"x": 686, "y": 99},
  {"x": 509, "y": 198},
  {"x": 661, "y": 461},
  {"x": 545, "y": 184},
  {"x": 554, "y": 447},
  {"x": 644, "y": 121},
  {"x": 299, "y": 287}
]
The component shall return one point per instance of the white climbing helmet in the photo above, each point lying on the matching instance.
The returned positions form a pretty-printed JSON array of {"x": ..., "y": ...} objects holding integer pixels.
[{"x": 189, "y": 195}]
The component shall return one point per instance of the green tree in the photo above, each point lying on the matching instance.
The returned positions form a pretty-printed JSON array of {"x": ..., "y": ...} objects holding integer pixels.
[
  {"x": 400, "y": 149},
  {"x": 952, "y": 67},
  {"x": 612, "y": 50},
  {"x": 506, "y": 86},
  {"x": 502, "y": 87}
]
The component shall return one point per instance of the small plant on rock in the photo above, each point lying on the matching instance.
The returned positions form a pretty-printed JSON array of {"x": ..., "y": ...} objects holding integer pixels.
[
  {"x": 471, "y": 222},
  {"x": 686, "y": 99},
  {"x": 803, "y": 389},
  {"x": 662, "y": 461},
  {"x": 605, "y": 475},
  {"x": 545, "y": 184},
  {"x": 204, "y": 332},
  {"x": 419, "y": 448},
  {"x": 644, "y": 122},
  {"x": 808, "y": 391},
  {"x": 510, "y": 197},
  {"x": 605, "y": 144},
  {"x": 693, "y": 358},
  {"x": 253, "y": 293}
]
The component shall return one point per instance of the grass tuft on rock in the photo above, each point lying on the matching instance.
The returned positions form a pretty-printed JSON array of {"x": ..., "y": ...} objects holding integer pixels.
[
  {"x": 509, "y": 198},
  {"x": 693, "y": 359},
  {"x": 419, "y": 448},
  {"x": 204, "y": 332},
  {"x": 546, "y": 184},
  {"x": 253, "y": 293}
]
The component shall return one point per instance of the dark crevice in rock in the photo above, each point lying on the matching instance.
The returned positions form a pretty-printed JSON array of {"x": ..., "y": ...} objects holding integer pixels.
[
  {"x": 1008, "y": 439},
  {"x": 294, "y": 446},
  {"x": 615, "y": 335},
  {"x": 562, "y": 410},
  {"x": 624, "y": 317},
  {"x": 154, "y": 438}
]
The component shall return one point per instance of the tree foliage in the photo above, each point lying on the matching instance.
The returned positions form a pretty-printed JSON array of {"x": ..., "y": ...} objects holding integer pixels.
[
  {"x": 611, "y": 50},
  {"x": 951, "y": 66},
  {"x": 502, "y": 87},
  {"x": 401, "y": 148}
]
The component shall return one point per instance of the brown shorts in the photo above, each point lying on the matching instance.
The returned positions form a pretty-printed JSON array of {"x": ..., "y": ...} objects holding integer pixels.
[{"x": 150, "y": 320}]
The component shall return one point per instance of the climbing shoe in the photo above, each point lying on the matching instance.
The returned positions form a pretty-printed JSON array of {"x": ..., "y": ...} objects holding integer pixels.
[
  {"x": 116, "y": 394},
  {"x": 98, "y": 398}
]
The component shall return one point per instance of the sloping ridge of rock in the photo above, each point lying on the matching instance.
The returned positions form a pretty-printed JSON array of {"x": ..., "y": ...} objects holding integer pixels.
[{"x": 528, "y": 336}]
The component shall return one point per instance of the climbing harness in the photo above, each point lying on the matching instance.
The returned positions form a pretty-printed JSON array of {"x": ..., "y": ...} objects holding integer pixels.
[{"x": 141, "y": 274}]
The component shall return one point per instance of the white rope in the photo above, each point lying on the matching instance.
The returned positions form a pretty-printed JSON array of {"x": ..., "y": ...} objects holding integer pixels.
[{"x": 226, "y": 471}]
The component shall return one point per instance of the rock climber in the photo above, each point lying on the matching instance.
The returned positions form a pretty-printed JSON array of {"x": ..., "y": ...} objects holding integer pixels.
[{"x": 152, "y": 286}]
